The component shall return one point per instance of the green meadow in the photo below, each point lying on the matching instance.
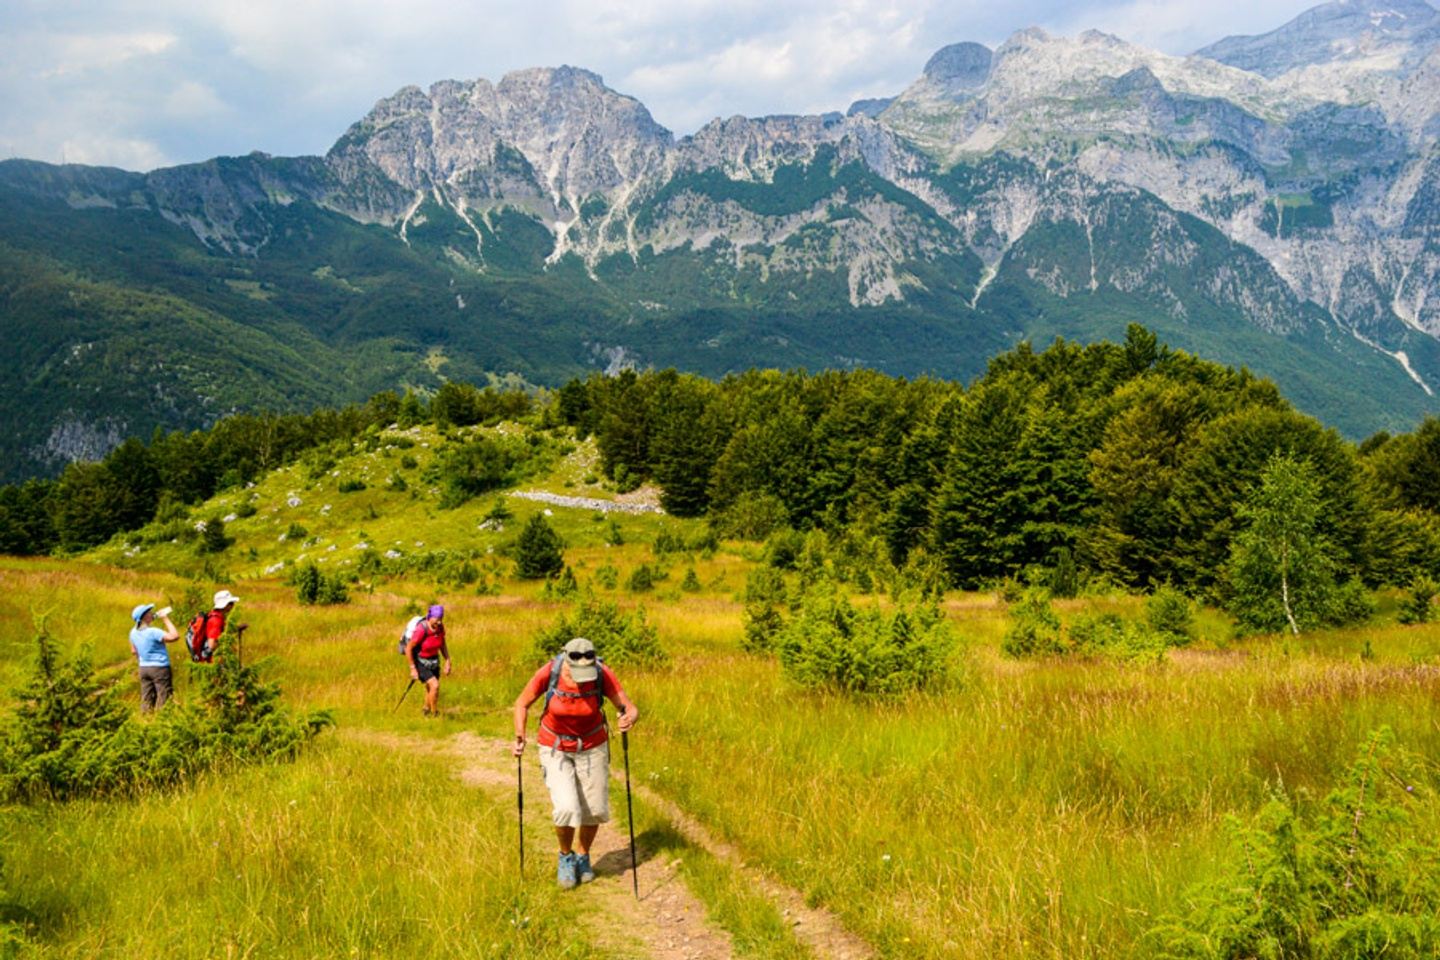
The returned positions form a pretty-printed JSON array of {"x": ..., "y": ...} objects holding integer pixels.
[
  {"x": 1024, "y": 808},
  {"x": 1013, "y": 808}
]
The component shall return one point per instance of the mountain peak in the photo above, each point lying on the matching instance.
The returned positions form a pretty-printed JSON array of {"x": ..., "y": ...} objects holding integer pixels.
[
  {"x": 1343, "y": 30},
  {"x": 960, "y": 66}
]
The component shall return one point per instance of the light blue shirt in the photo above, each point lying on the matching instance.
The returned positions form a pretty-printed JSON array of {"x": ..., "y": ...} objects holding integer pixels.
[{"x": 149, "y": 644}]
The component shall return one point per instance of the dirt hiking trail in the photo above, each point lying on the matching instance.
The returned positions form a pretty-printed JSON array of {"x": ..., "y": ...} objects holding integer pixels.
[{"x": 667, "y": 922}]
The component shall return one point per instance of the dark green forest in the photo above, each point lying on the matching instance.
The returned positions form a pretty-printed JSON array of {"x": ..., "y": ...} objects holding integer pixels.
[{"x": 1129, "y": 462}]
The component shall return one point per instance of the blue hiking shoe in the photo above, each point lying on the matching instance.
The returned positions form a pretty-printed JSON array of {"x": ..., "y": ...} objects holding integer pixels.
[
  {"x": 583, "y": 870},
  {"x": 565, "y": 873}
]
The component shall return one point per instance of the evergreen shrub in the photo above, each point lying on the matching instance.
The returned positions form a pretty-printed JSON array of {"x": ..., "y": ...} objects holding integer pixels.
[
  {"x": 668, "y": 541},
  {"x": 1419, "y": 603},
  {"x": 1110, "y": 635},
  {"x": 1034, "y": 627},
  {"x": 213, "y": 538},
  {"x": 1169, "y": 613},
  {"x": 314, "y": 587},
  {"x": 562, "y": 586},
  {"x": 830, "y": 643},
  {"x": 538, "y": 550},
  {"x": 642, "y": 579},
  {"x": 72, "y": 734},
  {"x": 619, "y": 638}
]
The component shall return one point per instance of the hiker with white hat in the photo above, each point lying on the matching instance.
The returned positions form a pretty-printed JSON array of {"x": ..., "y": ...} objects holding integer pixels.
[
  {"x": 574, "y": 748},
  {"x": 153, "y": 659},
  {"x": 214, "y": 624}
]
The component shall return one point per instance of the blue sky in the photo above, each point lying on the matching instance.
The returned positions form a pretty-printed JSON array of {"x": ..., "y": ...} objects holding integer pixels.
[{"x": 144, "y": 84}]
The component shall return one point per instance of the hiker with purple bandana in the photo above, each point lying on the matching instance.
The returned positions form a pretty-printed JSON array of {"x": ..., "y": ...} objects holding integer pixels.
[{"x": 426, "y": 647}]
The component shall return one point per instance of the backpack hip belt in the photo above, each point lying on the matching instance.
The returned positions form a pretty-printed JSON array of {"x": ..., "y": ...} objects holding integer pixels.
[{"x": 579, "y": 741}]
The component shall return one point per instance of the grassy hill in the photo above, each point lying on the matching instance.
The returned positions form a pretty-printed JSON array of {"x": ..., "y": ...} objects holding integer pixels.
[{"x": 1021, "y": 807}]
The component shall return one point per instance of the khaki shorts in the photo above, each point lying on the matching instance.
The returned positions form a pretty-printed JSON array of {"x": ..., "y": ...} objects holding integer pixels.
[{"x": 579, "y": 784}]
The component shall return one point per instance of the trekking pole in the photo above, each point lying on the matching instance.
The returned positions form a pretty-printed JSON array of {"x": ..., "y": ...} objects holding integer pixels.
[
  {"x": 520, "y": 806},
  {"x": 630, "y": 811},
  {"x": 404, "y": 695}
]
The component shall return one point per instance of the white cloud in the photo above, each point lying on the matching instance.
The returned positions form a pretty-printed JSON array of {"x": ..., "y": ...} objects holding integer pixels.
[
  {"x": 131, "y": 153},
  {"x": 193, "y": 100},
  {"x": 85, "y": 53}
]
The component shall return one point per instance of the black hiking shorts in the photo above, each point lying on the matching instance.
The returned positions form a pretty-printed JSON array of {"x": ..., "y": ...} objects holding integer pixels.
[{"x": 427, "y": 669}]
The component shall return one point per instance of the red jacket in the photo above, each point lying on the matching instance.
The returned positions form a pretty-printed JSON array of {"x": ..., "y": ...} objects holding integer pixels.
[{"x": 577, "y": 722}]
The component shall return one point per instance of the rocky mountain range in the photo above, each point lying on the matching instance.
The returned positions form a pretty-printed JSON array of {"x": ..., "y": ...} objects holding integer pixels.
[{"x": 1270, "y": 201}]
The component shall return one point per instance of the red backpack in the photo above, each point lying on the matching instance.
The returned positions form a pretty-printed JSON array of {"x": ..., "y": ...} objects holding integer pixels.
[{"x": 195, "y": 638}]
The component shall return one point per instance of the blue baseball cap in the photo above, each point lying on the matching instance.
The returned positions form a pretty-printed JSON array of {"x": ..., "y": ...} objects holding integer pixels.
[{"x": 140, "y": 611}]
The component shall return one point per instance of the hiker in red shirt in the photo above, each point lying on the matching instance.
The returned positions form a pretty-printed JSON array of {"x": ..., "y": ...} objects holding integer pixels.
[
  {"x": 223, "y": 603},
  {"x": 574, "y": 748},
  {"x": 426, "y": 647}
]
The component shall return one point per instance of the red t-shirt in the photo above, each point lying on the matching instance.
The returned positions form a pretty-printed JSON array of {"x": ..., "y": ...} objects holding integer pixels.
[
  {"x": 215, "y": 624},
  {"x": 573, "y": 716},
  {"x": 428, "y": 642}
]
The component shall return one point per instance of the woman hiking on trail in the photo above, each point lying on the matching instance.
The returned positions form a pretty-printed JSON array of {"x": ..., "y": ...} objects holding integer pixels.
[
  {"x": 574, "y": 748},
  {"x": 426, "y": 647}
]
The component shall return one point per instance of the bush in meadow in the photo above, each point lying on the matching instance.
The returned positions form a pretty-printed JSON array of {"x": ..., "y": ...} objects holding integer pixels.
[
  {"x": 538, "y": 550},
  {"x": 314, "y": 587},
  {"x": 1169, "y": 613},
  {"x": 619, "y": 638},
  {"x": 764, "y": 595},
  {"x": 831, "y": 643},
  {"x": 1419, "y": 603},
  {"x": 1356, "y": 875},
  {"x": 562, "y": 586},
  {"x": 73, "y": 735},
  {"x": 212, "y": 536},
  {"x": 691, "y": 583},
  {"x": 642, "y": 579},
  {"x": 668, "y": 541},
  {"x": 1110, "y": 635},
  {"x": 1034, "y": 627}
]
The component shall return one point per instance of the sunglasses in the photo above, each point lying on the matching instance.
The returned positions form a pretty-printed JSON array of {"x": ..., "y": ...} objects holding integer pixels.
[{"x": 577, "y": 655}]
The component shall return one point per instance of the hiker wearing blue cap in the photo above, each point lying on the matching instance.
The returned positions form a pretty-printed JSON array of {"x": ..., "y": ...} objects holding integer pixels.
[
  {"x": 426, "y": 647},
  {"x": 148, "y": 642}
]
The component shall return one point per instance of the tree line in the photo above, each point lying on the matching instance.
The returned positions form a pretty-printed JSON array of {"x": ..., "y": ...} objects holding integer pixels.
[
  {"x": 1128, "y": 461},
  {"x": 92, "y": 501},
  {"x": 1131, "y": 461}
]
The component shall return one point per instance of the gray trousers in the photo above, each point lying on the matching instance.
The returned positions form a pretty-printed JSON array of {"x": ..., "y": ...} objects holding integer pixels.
[{"x": 155, "y": 687}]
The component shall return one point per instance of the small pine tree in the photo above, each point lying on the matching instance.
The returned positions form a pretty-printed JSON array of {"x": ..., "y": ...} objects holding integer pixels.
[
  {"x": 691, "y": 583},
  {"x": 1419, "y": 604},
  {"x": 613, "y": 536},
  {"x": 538, "y": 551},
  {"x": 307, "y": 583},
  {"x": 763, "y": 623},
  {"x": 642, "y": 579},
  {"x": 212, "y": 537},
  {"x": 1034, "y": 627},
  {"x": 1064, "y": 578},
  {"x": 562, "y": 586},
  {"x": 1169, "y": 613}
]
